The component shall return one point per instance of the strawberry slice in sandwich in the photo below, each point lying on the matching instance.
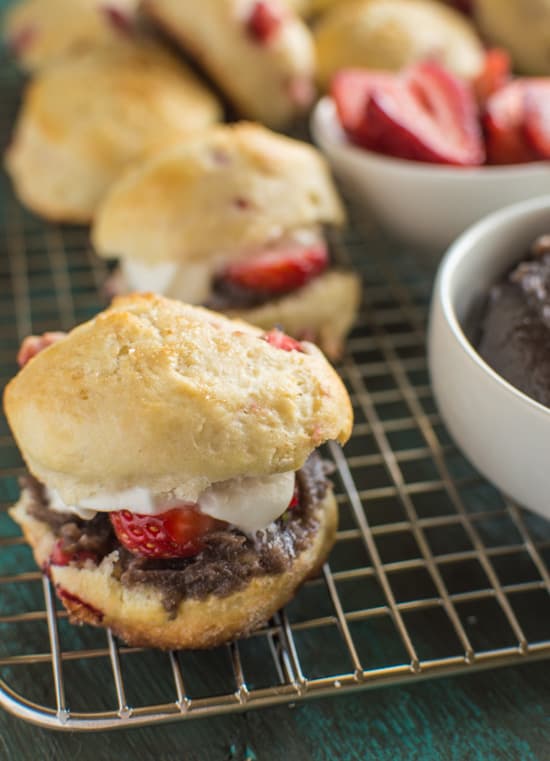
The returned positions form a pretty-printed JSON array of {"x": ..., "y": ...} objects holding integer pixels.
[
  {"x": 175, "y": 491},
  {"x": 237, "y": 219}
]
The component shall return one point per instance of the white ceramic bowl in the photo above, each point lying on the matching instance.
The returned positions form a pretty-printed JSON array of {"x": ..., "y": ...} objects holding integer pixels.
[
  {"x": 504, "y": 432},
  {"x": 426, "y": 204}
]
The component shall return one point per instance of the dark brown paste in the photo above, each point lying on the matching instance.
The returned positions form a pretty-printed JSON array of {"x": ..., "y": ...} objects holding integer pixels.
[
  {"x": 515, "y": 337},
  {"x": 229, "y": 560}
]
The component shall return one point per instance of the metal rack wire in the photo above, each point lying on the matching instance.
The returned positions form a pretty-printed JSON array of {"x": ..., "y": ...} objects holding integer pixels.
[{"x": 433, "y": 572}]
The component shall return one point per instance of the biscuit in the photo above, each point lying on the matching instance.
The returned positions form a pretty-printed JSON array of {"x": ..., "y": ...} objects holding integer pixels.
[
  {"x": 391, "y": 34},
  {"x": 324, "y": 309},
  {"x": 172, "y": 396},
  {"x": 522, "y": 27},
  {"x": 40, "y": 31},
  {"x": 266, "y": 70},
  {"x": 87, "y": 118},
  {"x": 229, "y": 190}
]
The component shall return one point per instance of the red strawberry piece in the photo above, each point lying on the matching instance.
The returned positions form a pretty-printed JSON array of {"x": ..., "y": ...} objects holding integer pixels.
[
  {"x": 465, "y": 6},
  {"x": 279, "y": 270},
  {"x": 280, "y": 340},
  {"x": 537, "y": 115},
  {"x": 426, "y": 114},
  {"x": 94, "y": 614},
  {"x": 494, "y": 74},
  {"x": 60, "y": 556},
  {"x": 119, "y": 20},
  {"x": 176, "y": 533},
  {"x": 503, "y": 121},
  {"x": 23, "y": 39},
  {"x": 264, "y": 21},
  {"x": 351, "y": 90},
  {"x": 33, "y": 345},
  {"x": 295, "y": 501}
]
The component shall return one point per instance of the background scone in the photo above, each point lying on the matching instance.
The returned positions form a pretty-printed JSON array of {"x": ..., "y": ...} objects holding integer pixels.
[
  {"x": 233, "y": 219},
  {"x": 176, "y": 495},
  {"x": 40, "y": 31},
  {"x": 86, "y": 118},
  {"x": 522, "y": 27},
  {"x": 258, "y": 52},
  {"x": 390, "y": 34}
]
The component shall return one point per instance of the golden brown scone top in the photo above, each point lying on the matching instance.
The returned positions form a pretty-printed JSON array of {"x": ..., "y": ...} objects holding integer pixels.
[
  {"x": 41, "y": 31},
  {"x": 391, "y": 34},
  {"x": 228, "y": 190},
  {"x": 119, "y": 100},
  {"x": 162, "y": 395}
]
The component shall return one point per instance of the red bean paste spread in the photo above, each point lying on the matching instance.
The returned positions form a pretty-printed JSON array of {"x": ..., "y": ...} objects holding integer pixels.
[{"x": 515, "y": 337}]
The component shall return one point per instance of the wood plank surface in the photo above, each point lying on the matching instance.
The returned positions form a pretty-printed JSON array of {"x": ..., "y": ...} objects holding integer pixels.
[{"x": 501, "y": 715}]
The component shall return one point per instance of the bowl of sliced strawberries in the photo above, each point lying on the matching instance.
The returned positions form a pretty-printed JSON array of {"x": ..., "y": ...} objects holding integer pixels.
[{"x": 430, "y": 153}]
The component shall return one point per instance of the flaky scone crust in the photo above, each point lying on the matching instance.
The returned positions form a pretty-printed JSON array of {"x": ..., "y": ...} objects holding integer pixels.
[
  {"x": 257, "y": 78},
  {"x": 233, "y": 188},
  {"x": 85, "y": 119},
  {"x": 170, "y": 397},
  {"x": 54, "y": 28},
  {"x": 137, "y": 615},
  {"x": 391, "y": 34}
]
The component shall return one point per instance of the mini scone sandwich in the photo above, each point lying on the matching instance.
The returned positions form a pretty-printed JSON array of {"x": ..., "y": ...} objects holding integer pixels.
[
  {"x": 234, "y": 220},
  {"x": 259, "y": 52},
  {"x": 40, "y": 31},
  {"x": 175, "y": 492},
  {"x": 87, "y": 117}
]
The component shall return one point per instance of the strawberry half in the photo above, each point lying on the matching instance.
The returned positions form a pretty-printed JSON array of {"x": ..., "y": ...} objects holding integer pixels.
[
  {"x": 537, "y": 115},
  {"x": 503, "y": 121},
  {"x": 351, "y": 90},
  {"x": 176, "y": 533},
  {"x": 264, "y": 21},
  {"x": 279, "y": 270},
  {"x": 494, "y": 75},
  {"x": 427, "y": 114}
]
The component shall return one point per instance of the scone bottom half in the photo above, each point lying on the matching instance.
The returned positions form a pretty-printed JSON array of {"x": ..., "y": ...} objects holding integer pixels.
[{"x": 208, "y": 558}]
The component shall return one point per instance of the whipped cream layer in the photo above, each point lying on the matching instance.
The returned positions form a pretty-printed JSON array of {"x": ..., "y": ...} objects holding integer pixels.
[{"x": 249, "y": 504}]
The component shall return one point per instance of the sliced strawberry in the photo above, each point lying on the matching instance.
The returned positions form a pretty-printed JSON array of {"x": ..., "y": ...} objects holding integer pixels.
[
  {"x": 60, "y": 556},
  {"x": 176, "y": 533},
  {"x": 117, "y": 18},
  {"x": 494, "y": 75},
  {"x": 537, "y": 115},
  {"x": 295, "y": 501},
  {"x": 279, "y": 270},
  {"x": 264, "y": 21},
  {"x": 427, "y": 114},
  {"x": 465, "y": 6},
  {"x": 23, "y": 39},
  {"x": 280, "y": 340},
  {"x": 351, "y": 90},
  {"x": 504, "y": 126},
  {"x": 33, "y": 345}
]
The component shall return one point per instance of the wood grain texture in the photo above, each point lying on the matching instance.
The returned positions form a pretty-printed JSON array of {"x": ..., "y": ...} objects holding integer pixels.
[{"x": 500, "y": 715}]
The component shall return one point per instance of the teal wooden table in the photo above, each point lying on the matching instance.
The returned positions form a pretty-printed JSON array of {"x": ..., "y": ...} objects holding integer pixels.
[{"x": 493, "y": 716}]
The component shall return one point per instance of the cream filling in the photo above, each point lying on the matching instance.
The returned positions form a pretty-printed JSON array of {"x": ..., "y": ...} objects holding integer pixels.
[
  {"x": 250, "y": 504},
  {"x": 191, "y": 281}
]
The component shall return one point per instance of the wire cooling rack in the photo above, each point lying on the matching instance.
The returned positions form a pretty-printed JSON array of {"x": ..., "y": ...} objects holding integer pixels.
[{"x": 434, "y": 572}]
